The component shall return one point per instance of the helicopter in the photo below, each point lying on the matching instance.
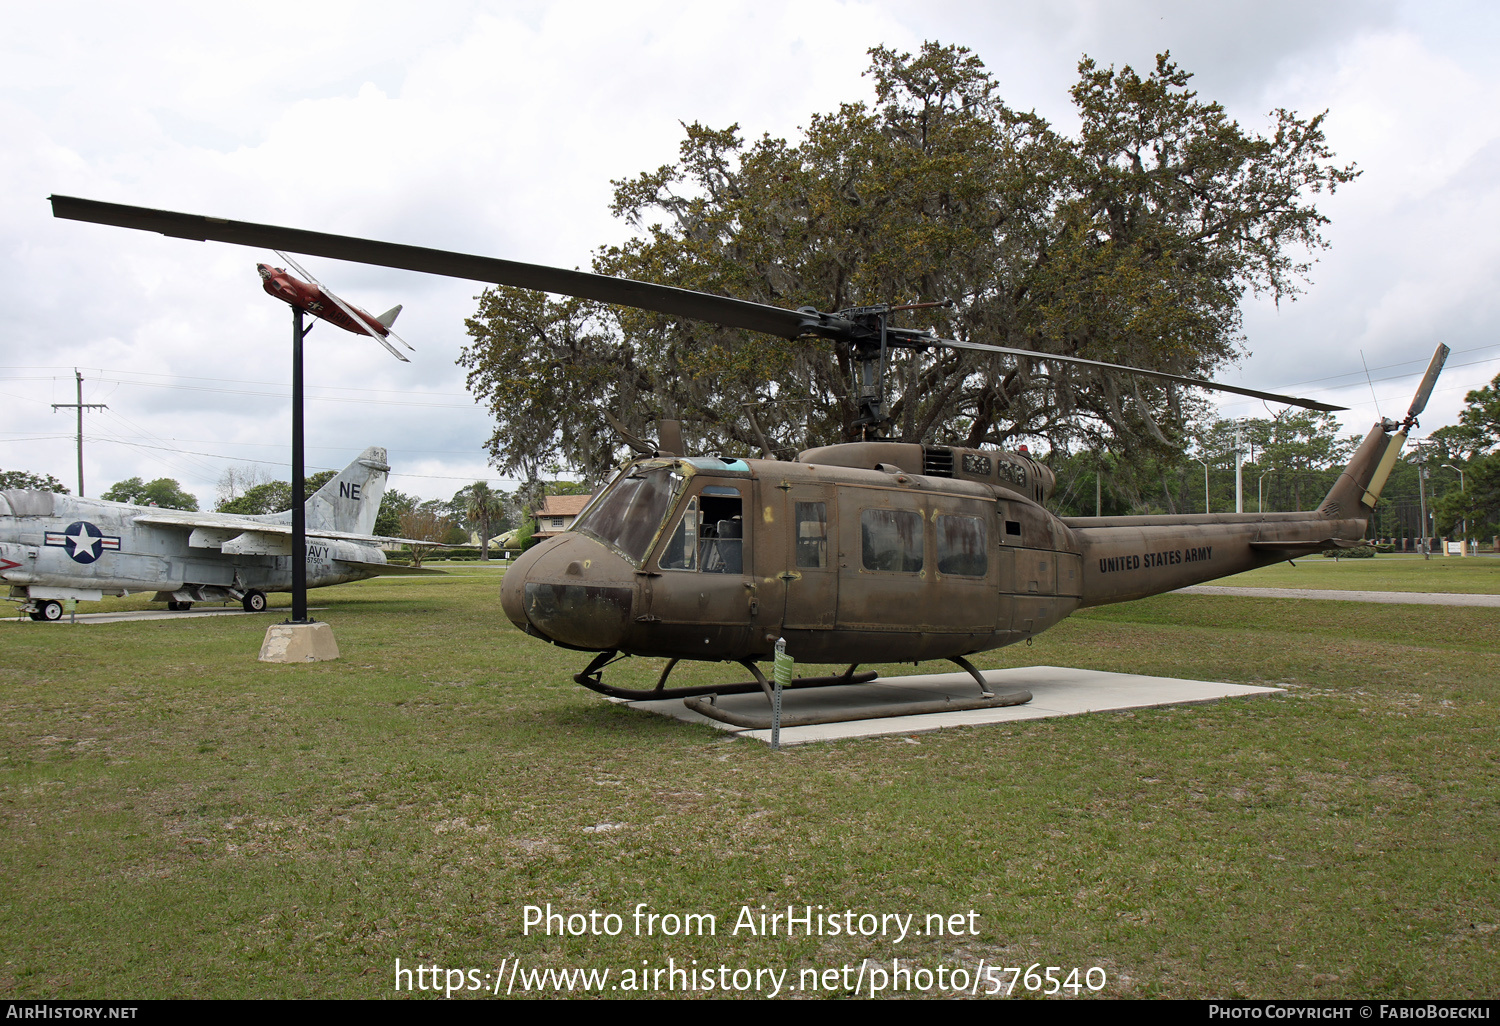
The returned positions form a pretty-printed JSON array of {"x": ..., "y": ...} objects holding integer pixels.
[{"x": 868, "y": 551}]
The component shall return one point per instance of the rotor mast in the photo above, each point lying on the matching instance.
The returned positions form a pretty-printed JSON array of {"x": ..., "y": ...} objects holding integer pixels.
[{"x": 870, "y": 340}]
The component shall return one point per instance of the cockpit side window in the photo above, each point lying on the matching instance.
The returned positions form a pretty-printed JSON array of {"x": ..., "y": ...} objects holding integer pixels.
[{"x": 710, "y": 535}]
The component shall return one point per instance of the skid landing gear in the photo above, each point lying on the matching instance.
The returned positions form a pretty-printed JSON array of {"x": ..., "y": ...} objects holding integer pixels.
[
  {"x": 592, "y": 678},
  {"x": 703, "y": 698},
  {"x": 884, "y": 710}
]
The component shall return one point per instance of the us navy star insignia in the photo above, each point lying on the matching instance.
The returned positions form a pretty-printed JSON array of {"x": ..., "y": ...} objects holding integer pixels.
[{"x": 83, "y": 541}]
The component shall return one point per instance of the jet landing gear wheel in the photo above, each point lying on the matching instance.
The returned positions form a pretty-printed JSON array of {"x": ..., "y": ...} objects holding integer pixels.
[
  {"x": 50, "y": 610},
  {"x": 254, "y": 601},
  {"x": 179, "y": 607}
]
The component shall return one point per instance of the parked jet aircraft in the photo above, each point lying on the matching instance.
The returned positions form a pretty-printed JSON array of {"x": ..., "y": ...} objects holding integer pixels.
[{"x": 56, "y": 547}]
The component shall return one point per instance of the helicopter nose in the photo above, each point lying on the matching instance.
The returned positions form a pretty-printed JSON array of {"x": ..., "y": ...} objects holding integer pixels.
[{"x": 572, "y": 591}]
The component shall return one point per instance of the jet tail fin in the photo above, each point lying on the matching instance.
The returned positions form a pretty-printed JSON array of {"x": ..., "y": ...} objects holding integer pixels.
[
  {"x": 389, "y": 317},
  {"x": 351, "y": 501}
]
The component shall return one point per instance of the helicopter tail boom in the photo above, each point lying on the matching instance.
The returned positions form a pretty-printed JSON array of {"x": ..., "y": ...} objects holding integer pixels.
[{"x": 1128, "y": 558}]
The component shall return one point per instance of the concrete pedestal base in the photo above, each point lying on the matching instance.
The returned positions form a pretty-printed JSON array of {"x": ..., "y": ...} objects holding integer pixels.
[{"x": 299, "y": 643}]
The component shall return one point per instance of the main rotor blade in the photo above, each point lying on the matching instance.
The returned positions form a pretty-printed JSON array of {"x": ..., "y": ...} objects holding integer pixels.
[
  {"x": 666, "y": 299},
  {"x": 733, "y": 313},
  {"x": 1424, "y": 390},
  {"x": 1160, "y": 375}
]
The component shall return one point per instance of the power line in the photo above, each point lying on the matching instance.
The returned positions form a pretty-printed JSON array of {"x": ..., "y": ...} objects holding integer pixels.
[{"x": 282, "y": 463}]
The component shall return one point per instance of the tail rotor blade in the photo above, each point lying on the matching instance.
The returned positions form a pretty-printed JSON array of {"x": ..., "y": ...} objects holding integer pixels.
[{"x": 1424, "y": 391}]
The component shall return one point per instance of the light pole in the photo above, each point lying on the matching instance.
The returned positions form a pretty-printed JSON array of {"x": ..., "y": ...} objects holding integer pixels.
[
  {"x": 1260, "y": 493},
  {"x": 1462, "y": 491},
  {"x": 1239, "y": 465},
  {"x": 1205, "y": 484},
  {"x": 1422, "y": 475}
]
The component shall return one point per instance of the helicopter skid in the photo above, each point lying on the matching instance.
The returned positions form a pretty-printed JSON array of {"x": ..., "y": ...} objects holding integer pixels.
[
  {"x": 592, "y": 678},
  {"x": 762, "y": 721}
]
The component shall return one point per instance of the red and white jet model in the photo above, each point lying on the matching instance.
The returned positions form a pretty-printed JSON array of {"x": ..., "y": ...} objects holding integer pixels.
[{"x": 318, "y": 300}]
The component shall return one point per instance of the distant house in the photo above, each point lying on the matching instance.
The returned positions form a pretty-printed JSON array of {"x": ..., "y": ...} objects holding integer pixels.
[{"x": 558, "y": 513}]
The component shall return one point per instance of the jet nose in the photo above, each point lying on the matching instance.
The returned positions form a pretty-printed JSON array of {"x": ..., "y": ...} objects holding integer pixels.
[{"x": 572, "y": 591}]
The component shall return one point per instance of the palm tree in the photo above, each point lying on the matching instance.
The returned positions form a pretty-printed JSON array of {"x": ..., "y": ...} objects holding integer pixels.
[{"x": 485, "y": 508}]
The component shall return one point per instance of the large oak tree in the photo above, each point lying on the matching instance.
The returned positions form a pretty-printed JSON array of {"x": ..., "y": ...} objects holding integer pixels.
[{"x": 1132, "y": 242}]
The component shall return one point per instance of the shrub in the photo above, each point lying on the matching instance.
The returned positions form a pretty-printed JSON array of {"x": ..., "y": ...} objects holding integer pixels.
[{"x": 1358, "y": 552}]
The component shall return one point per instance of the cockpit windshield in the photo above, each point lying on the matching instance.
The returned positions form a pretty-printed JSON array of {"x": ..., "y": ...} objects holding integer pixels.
[{"x": 627, "y": 515}]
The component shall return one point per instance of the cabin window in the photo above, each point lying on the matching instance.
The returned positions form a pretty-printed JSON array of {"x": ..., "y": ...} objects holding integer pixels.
[
  {"x": 961, "y": 546},
  {"x": 891, "y": 539},
  {"x": 627, "y": 515},
  {"x": 710, "y": 536},
  {"x": 812, "y": 534}
]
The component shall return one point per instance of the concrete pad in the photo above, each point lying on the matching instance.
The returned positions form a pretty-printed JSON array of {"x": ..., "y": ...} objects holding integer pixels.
[
  {"x": 1404, "y": 598},
  {"x": 1056, "y": 691},
  {"x": 299, "y": 643}
]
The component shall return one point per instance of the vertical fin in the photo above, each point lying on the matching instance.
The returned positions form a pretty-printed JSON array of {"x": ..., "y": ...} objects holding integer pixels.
[
  {"x": 351, "y": 501},
  {"x": 1358, "y": 487},
  {"x": 1349, "y": 492}
]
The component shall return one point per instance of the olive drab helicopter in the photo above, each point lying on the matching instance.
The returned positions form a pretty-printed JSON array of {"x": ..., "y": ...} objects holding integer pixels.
[{"x": 863, "y": 552}]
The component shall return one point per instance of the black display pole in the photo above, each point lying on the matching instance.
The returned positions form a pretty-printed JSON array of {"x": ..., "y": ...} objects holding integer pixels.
[{"x": 299, "y": 514}]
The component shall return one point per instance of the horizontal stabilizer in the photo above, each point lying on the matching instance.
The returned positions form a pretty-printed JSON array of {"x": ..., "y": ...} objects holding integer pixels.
[{"x": 1304, "y": 548}]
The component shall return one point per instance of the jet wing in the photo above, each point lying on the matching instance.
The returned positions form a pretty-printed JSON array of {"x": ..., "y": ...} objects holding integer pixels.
[
  {"x": 242, "y": 536},
  {"x": 228, "y": 523}
]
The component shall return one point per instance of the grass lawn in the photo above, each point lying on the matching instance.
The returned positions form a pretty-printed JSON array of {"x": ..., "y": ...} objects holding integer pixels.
[
  {"x": 177, "y": 819},
  {"x": 1469, "y": 575}
]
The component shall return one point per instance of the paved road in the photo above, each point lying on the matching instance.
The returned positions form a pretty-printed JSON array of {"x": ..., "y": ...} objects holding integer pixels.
[
  {"x": 1409, "y": 598},
  {"x": 166, "y": 614}
]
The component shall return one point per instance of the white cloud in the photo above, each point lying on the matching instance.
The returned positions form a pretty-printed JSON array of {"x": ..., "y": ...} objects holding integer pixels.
[{"x": 496, "y": 128}]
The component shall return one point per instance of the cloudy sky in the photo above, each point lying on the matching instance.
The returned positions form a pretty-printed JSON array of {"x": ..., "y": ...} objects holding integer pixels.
[{"x": 496, "y": 128}]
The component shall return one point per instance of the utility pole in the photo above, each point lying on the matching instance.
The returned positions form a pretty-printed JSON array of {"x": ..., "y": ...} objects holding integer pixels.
[{"x": 80, "y": 406}]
